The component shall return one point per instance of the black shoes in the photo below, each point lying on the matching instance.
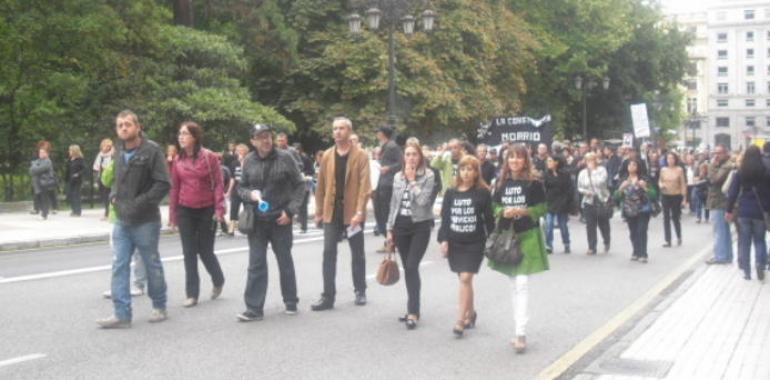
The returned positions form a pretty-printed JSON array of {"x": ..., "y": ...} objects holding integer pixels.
[
  {"x": 324, "y": 303},
  {"x": 459, "y": 329},
  {"x": 667, "y": 245},
  {"x": 471, "y": 321},
  {"x": 761, "y": 274},
  {"x": 360, "y": 299},
  {"x": 291, "y": 309},
  {"x": 249, "y": 316}
]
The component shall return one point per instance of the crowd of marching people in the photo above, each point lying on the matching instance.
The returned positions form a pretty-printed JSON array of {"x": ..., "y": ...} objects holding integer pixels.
[{"x": 486, "y": 194}]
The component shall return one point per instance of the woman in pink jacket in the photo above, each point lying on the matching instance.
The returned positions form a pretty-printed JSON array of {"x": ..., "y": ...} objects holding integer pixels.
[{"x": 196, "y": 205}]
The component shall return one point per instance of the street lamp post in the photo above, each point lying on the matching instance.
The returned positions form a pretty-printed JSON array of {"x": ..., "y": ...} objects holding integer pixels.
[
  {"x": 589, "y": 84},
  {"x": 392, "y": 13}
]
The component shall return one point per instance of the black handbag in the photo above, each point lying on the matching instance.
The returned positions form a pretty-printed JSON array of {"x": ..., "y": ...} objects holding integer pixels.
[
  {"x": 246, "y": 219},
  {"x": 503, "y": 246},
  {"x": 604, "y": 210}
]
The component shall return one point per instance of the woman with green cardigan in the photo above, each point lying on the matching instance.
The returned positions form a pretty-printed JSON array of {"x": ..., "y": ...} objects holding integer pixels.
[{"x": 520, "y": 199}]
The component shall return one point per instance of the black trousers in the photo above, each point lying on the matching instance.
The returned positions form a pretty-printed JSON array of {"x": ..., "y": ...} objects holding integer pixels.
[
  {"x": 197, "y": 228},
  {"x": 637, "y": 228},
  {"x": 73, "y": 197},
  {"x": 592, "y": 221},
  {"x": 303, "y": 211},
  {"x": 672, "y": 212},
  {"x": 332, "y": 233},
  {"x": 382, "y": 207},
  {"x": 281, "y": 240},
  {"x": 41, "y": 202},
  {"x": 104, "y": 196},
  {"x": 412, "y": 242},
  {"x": 235, "y": 205}
]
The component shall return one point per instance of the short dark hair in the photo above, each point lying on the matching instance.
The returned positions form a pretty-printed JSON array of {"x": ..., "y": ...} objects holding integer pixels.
[{"x": 386, "y": 130}]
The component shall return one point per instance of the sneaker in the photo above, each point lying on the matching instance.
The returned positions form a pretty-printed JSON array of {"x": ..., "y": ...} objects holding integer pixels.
[
  {"x": 360, "y": 299},
  {"x": 216, "y": 292},
  {"x": 158, "y": 315},
  {"x": 112, "y": 322},
  {"x": 291, "y": 309},
  {"x": 136, "y": 291},
  {"x": 107, "y": 294},
  {"x": 548, "y": 250},
  {"x": 606, "y": 248},
  {"x": 190, "y": 302},
  {"x": 249, "y": 316},
  {"x": 566, "y": 249},
  {"x": 643, "y": 260},
  {"x": 324, "y": 303}
]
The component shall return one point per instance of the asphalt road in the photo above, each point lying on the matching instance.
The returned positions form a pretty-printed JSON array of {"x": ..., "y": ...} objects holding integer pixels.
[{"x": 49, "y": 300}]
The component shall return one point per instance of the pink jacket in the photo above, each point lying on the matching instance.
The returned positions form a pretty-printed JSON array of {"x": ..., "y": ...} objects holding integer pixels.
[{"x": 196, "y": 184}]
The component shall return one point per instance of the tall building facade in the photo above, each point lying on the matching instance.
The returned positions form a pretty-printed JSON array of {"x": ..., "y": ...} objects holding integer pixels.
[{"x": 731, "y": 90}]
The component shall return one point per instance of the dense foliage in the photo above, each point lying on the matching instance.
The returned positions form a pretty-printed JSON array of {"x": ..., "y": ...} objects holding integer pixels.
[{"x": 68, "y": 66}]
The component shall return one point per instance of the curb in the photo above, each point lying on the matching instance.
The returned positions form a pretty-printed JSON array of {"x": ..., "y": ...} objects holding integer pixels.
[
  {"x": 20, "y": 246},
  {"x": 572, "y": 358}
]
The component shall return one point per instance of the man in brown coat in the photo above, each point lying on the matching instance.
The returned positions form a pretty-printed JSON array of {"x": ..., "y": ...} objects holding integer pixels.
[{"x": 341, "y": 196}]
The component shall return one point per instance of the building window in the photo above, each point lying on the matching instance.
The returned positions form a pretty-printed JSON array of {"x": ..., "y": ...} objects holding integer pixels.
[
  {"x": 750, "y": 103},
  {"x": 749, "y": 36},
  {"x": 722, "y": 88},
  {"x": 722, "y": 37},
  {"x": 692, "y": 85},
  {"x": 767, "y": 102},
  {"x": 767, "y": 121},
  {"x": 722, "y": 54},
  {"x": 722, "y": 71},
  {"x": 722, "y": 103},
  {"x": 750, "y": 88},
  {"x": 768, "y": 70},
  {"x": 768, "y": 32},
  {"x": 768, "y": 53},
  {"x": 723, "y": 122},
  {"x": 751, "y": 121},
  {"x": 748, "y": 14},
  {"x": 749, "y": 53},
  {"x": 750, "y": 71}
]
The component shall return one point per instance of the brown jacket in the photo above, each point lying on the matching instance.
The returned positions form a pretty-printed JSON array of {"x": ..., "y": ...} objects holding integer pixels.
[{"x": 357, "y": 185}]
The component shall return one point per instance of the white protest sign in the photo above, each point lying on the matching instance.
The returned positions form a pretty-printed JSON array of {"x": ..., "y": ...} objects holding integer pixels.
[{"x": 640, "y": 119}]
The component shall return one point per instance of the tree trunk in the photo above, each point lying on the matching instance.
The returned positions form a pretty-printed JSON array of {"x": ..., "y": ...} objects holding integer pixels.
[{"x": 183, "y": 12}]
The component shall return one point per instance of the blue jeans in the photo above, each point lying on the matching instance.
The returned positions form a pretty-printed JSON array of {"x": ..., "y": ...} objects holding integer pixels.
[
  {"x": 723, "y": 245},
  {"x": 751, "y": 230},
  {"x": 550, "y": 220},
  {"x": 144, "y": 239},
  {"x": 637, "y": 231}
]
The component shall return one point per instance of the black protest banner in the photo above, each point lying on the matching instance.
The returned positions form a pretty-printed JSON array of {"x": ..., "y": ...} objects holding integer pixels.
[{"x": 516, "y": 129}]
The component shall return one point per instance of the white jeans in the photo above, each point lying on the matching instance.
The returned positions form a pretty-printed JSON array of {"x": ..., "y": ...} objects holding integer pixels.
[{"x": 520, "y": 297}]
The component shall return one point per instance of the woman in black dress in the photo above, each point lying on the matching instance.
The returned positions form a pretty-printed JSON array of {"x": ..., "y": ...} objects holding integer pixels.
[{"x": 466, "y": 220}]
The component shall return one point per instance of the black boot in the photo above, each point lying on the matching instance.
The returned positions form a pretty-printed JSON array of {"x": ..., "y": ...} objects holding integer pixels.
[{"x": 325, "y": 303}]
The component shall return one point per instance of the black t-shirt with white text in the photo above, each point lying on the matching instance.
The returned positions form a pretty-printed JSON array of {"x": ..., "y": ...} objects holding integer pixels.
[
  {"x": 466, "y": 216},
  {"x": 519, "y": 194}
]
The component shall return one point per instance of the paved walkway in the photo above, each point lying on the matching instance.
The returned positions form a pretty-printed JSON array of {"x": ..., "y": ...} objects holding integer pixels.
[
  {"x": 716, "y": 326},
  {"x": 22, "y": 230}
]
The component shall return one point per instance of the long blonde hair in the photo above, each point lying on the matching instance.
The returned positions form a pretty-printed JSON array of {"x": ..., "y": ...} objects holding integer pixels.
[
  {"x": 473, "y": 163},
  {"x": 517, "y": 150}
]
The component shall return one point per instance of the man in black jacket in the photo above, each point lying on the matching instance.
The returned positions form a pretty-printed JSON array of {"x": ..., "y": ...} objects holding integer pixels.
[
  {"x": 391, "y": 159},
  {"x": 271, "y": 187},
  {"x": 141, "y": 182}
]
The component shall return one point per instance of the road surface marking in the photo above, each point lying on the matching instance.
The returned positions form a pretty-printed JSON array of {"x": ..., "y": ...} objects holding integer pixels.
[
  {"x": 567, "y": 360},
  {"x": 100, "y": 268},
  {"x": 21, "y": 359}
]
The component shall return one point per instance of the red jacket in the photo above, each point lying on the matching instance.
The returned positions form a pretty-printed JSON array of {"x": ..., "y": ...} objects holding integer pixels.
[{"x": 196, "y": 184}]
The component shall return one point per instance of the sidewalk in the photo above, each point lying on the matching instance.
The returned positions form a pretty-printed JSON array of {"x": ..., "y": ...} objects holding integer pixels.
[
  {"x": 716, "y": 326},
  {"x": 22, "y": 230}
]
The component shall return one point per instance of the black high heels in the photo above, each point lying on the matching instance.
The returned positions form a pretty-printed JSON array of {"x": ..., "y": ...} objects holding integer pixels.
[{"x": 471, "y": 321}]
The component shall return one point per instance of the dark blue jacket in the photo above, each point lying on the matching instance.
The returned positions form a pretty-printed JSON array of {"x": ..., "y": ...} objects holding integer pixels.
[{"x": 751, "y": 200}]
